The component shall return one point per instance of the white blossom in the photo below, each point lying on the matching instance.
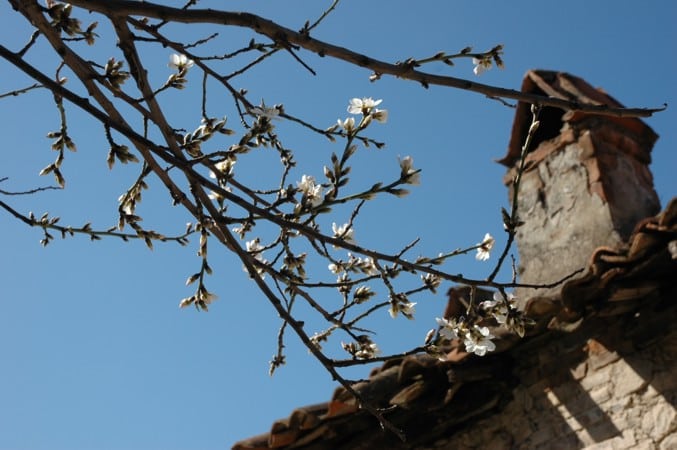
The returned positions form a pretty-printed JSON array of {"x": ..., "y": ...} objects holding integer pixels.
[
  {"x": 317, "y": 339},
  {"x": 217, "y": 196},
  {"x": 362, "y": 294},
  {"x": 335, "y": 268},
  {"x": 406, "y": 308},
  {"x": 368, "y": 266},
  {"x": 431, "y": 281},
  {"x": 449, "y": 328},
  {"x": 186, "y": 302},
  {"x": 481, "y": 65},
  {"x": 225, "y": 168},
  {"x": 180, "y": 62},
  {"x": 364, "y": 348},
  {"x": 363, "y": 106},
  {"x": 478, "y": 341},
  {"x": 497, "y": 307},
  {"x": 264, "y": 111},
  {"x": 344, "y": 232},
  {"x": 348, "y": 124},
  {"x": 408, "y": 173},
  {"x": 507, "y": 314},
  {"x": 380, "y": 115},
  {"x": 484, "y": 249},
  {"x": 311, "y": 191},
  {"x": 255, "y": 248},
  {"x": 367, "y": 351},
  {"x": 208, "y": 297}
]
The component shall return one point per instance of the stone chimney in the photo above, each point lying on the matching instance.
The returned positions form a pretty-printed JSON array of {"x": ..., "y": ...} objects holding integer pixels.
[{"x": 587, "y": 182}]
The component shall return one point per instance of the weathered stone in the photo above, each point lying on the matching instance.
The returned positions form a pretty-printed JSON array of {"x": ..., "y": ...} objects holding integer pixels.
[
  {"x": 552, "y": 245},
  {"x": 627, "y": 381},
  {"x": 627, "y": 440},
  {"x": 659, "y": 421},
  {"x": 647, "y": 444},
  {"x": 597, "y": 378},
  {"x": 669, "y": 443},
  {"x": 600, "y": 395}
]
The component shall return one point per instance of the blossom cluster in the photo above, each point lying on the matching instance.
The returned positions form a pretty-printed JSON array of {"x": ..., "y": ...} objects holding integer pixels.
[
  {"x": 399, "y": 303},
  {"x": 503, "y": 308},
  {"x": 180, "y": 63},
  {"x": 363, "y": 348},
  {"x": 367, "y": 107},
  {"x": 364, "y": 265},
  {"x": 310, "y": 190},
  {"x": 255, "y": 249},
  {"x": 477, "y": 339},
  {"x": 486, "y": 60},
  {"x": 473, "y": 332}
]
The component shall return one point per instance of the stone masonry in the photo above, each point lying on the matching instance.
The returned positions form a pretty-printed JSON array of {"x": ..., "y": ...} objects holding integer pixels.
[{"x": 608, "y": 386}]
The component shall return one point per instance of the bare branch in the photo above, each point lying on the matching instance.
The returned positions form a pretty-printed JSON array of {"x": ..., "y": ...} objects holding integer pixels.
[{"x": 285, "y": 36}]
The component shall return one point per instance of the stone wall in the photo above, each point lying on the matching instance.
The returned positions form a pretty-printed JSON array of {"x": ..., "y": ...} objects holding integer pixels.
[{"x": 610, "y": 385}]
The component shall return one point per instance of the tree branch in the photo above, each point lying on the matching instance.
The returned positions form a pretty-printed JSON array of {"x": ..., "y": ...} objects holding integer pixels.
[{"x": 285, "y": 36}]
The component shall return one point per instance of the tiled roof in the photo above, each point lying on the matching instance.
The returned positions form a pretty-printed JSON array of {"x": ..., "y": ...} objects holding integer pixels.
[{"x": 428, "y": 398}]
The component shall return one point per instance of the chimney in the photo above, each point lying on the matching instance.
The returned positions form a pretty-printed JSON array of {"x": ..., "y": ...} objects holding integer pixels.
[{"x": 587, "y": 182}]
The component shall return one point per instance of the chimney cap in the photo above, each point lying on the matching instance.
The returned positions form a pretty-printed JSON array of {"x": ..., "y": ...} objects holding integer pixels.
[{"x": 572, "y": 88}]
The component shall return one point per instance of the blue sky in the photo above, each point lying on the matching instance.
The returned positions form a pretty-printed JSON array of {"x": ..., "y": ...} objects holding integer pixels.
[{"x": 95, "y": 352}]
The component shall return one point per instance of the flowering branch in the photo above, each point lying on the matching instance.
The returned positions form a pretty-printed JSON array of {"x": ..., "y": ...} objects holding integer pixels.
[{"x": 51, "y": 223}]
